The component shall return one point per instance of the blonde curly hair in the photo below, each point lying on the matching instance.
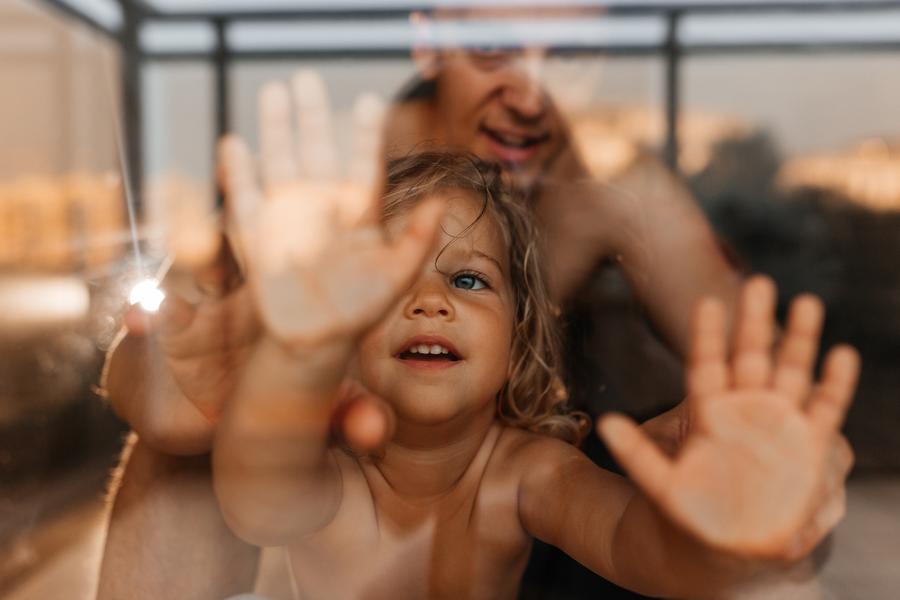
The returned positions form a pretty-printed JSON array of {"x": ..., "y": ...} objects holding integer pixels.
[{"x": 533, "y": 397}]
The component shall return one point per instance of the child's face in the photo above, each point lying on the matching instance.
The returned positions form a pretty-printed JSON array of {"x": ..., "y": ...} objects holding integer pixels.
[{"x": 462, "y": 308}]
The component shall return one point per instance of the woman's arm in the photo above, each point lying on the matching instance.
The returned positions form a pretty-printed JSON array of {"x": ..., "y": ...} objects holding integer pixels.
[
  {"x": 142, "y": 391},
  {"x": 166, "y": 537},
  {"x": 648, "y": 222},
  {"x": 168, "y": 373},
  {"x": 667, "y": 248}
]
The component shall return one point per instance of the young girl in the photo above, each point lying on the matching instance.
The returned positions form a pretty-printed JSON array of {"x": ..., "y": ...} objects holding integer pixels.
[{"x": 439, "y": 308}]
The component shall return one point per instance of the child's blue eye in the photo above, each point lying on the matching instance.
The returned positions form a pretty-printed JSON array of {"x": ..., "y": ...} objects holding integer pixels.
[{"x": 468, "y": 281}]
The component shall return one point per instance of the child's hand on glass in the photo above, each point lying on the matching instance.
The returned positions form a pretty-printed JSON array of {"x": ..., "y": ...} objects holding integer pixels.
[
  {"x": 751, "y": 470},
  {"x": 320, "y": 264}
]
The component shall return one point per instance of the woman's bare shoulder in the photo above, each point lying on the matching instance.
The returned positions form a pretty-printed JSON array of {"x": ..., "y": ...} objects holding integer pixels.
[{"x": 408, "y": 125}]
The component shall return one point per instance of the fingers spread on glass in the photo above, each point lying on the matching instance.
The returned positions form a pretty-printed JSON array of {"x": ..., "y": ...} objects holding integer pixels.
[
  {"x": 318, "y": 261},
  {"x": 707, "y": 371},
  {"x": 754, "y": 334},
  {"x": 185, "y": 215},
  {"x": 831, "y": 398},
  {"x": 318, "y": 157},
  {"x": 365, "y": 169},
  {"x": 278, "y": 157},
  {"x": 799, "y": 345},
  {"x": 185, "y": 230},
  {"x": 242, "y": 189}
]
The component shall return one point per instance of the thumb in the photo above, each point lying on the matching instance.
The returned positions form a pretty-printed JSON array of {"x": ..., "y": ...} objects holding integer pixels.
[
  {"x": 138, "y": 321},
  {"x": 362, "y": 421},
  {"x": 411, "y": 246},
  {"x": 174, "y": 315},
  {"x": 646, "y": 465}
]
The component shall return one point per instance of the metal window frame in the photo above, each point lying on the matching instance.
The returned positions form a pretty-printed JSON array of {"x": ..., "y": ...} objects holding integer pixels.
[{"x": 136, "y": 12}]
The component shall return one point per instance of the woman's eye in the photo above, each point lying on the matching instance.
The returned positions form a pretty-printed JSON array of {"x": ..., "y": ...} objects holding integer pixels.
[
  {"x": 469, "y": 282},
  {"x": 490, "y": 58}
]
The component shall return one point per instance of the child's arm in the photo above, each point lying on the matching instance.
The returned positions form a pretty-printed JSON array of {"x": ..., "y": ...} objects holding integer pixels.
[
  {"x": 601, "y": 520},
  {"x": 738, "y": 498},
  {"x": 322, "y": 271}
]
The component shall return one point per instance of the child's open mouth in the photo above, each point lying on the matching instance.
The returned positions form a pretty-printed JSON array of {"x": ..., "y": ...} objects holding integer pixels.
[
  {"x": 429, "y": 353},
  {"x": 423, "y": 352}
]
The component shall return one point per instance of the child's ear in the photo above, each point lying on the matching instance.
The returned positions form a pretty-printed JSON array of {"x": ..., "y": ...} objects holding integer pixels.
[{"x": 424, "y": 54}]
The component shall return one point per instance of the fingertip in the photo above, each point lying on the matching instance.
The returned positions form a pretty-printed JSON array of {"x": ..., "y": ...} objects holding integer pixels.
[
  {"x": 196, "y": 244},
  {"x": 428, "y": 216},
  {"x": 307, "y": 82},
  {"x": 173, "y": 315},
  {"x": 612, "y": 427},
  {"x": 810, "y": 302},
  {"x": 231, "y": 151},
  {"x": 422, "y": 227},
  {"x": 847, "y": 353},
  {"x": 759, "y": 294},
  {"x": 845, "y": 359},
  {"x": 806, "y": 313},
  {"x": 762, "y": 284},
  {"x": 274, "y": 92},
  {"x": 709, "y": 308},
  {"x": 228, "y": 142},
  {"x": 366, "y": 427},
  {"x": 369, "y": 109},
  {"x": 137, "y": 321},
  {"x": 837, "y": 386},
  {"x": 845, "y": 456}
]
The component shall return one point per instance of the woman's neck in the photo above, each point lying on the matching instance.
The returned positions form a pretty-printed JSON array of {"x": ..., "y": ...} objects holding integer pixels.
[{"x": 424, "y": 462}]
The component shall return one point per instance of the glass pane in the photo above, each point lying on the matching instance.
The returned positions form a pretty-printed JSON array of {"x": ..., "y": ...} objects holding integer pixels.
[{"x": 546, "y": 139}]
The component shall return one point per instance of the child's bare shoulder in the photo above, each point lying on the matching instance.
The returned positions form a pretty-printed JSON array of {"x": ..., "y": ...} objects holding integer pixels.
[{"x": 528, "y": 453}]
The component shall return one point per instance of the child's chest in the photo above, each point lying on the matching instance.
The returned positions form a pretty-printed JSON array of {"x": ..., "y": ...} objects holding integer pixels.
[{"x": 468, "y": 544}]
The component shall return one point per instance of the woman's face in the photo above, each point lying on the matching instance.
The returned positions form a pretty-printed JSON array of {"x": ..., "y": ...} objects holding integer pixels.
[{"x": 491, "y": 103}]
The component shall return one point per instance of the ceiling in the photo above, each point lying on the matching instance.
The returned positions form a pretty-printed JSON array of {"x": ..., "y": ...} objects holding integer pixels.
[{"x": 263, "y": 25}]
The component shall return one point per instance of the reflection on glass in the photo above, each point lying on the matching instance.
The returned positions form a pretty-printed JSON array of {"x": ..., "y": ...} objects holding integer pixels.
[{"x": 370, "y": 388}]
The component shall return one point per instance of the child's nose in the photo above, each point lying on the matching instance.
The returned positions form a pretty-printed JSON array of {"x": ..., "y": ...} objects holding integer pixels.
[{"x": 429, "y": 302}]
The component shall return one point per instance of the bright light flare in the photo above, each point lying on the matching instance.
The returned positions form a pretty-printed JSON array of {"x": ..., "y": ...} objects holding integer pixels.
[{"x": 147, "y": 294}]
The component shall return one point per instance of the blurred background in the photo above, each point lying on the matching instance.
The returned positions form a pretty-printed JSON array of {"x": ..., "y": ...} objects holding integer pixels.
[{"x": 783, "y": 117}]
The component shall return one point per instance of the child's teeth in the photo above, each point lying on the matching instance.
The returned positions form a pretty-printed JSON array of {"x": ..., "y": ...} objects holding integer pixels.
[{"x": 428, "y": 349}]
